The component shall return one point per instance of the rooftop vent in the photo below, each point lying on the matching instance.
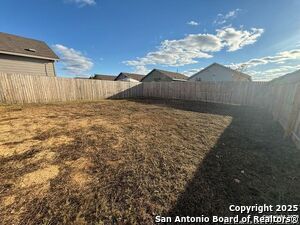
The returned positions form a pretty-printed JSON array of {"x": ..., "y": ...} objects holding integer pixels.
[{"x": 30, "y": 49}]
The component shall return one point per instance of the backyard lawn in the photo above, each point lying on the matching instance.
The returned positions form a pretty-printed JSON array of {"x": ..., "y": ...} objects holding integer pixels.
[{"x": 124, "y": 162}]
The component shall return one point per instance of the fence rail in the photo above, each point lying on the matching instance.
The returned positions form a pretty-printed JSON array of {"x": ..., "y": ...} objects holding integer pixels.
[{"x": 281, "y": 99}]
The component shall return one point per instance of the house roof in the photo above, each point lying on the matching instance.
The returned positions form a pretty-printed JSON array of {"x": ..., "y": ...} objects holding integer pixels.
[
  {"x": 134, "y": 76},
  {"x": 238, "y": 73},
  {"x": 172, "y": 75},
  {"x": 103, "y": 77},
  {"x": 84, "y": 78},
  {"x": 20, "y": 46},
  {"x": 293, "y": 77}
]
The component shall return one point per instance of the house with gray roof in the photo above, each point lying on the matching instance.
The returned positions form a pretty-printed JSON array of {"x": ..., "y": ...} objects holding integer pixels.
[
  {"x": 289, "y": 78},
  {"x": 20, "y": 55},
  {"x": 163, "y": 75},
  {"x": 103, "y": 77},
  {"x": 131, "y": 77}
]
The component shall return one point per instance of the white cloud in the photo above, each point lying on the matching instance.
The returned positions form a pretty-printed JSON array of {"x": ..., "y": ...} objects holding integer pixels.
[
  {"x": 82, "y": 2},
  {"x": 73, "y": 61},
  {"x": 187, "y": 50},
  {"x": 236, "y": 39},
  {"x": 191, "y": 72},
  {"x": 193, "y": 23},
  {"x": 141, "y": 70},
  {"x": 180, "y": 52},
  {"x": 278, "y": 58},
  {"x": 270, "y": 74},
  {"x": 277, "y": 65},
  {"x": 222, "y": 19}
]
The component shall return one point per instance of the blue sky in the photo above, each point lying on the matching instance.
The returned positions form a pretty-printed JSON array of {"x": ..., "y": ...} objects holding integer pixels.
[{"x": 110, "y": 36}]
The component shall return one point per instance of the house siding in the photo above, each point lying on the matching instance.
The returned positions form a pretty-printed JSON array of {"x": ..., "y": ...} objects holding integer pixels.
[
  {"x": 50, "y": 69},
  {"x": 156, "y": 76},
  {"x": 25, "y": 65}
]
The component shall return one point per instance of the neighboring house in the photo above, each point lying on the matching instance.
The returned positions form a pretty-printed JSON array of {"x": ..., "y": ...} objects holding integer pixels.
[
  {"x": 82, "y": 78},
  {"x": 293, "y": 77},
  {"x": 21, "y": 55},
  {"x": 162, "y": 75},
  {"x": 217, "y": 72},
  {"x": 103, "y": 77},
  {"x": 131, "y": 77}
]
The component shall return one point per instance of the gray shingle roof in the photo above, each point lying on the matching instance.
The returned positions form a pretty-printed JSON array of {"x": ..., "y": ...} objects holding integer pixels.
[
  {"x": 103, "y": 77},
  {"x": 135, "y": 76},
  {"x": 16, "y": 45},
  {"x": 172, "y": 75}
]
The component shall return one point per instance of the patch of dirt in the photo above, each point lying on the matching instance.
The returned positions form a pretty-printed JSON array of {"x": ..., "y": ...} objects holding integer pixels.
[
  {"x": 123, "y": 162},
  {"x": 41, "y": 176},
  {"x": 78, "y": 172},
  {"x": 80, "y": 179},
  {"x": 9, "y": 200},
  {"x": 10, "y": 149},
  {"x": 46, "y": 155}
]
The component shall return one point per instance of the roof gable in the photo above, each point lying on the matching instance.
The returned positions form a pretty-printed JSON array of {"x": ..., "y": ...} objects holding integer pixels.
[
  {"x": 16, "y": 45},
  {"x": 134, "y": 76},
  {"x": 172, "y": 75},
  {"x": 224, "y": 67},
  {"x": 293, "y": 77}
]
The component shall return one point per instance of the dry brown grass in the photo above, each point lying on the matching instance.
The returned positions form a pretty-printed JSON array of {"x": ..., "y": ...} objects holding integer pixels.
[{"x": 122, "y": 162}]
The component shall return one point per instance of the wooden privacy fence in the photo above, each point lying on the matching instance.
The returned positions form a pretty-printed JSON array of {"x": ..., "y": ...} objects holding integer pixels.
[
  {"x": 241, "y": 93},
  {"x": 16, "y": 88},
  {"x": 281, "y": 99}
]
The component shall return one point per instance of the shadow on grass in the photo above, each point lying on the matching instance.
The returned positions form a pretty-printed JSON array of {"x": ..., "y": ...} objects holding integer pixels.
[{"x": 250, "y": 164}]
